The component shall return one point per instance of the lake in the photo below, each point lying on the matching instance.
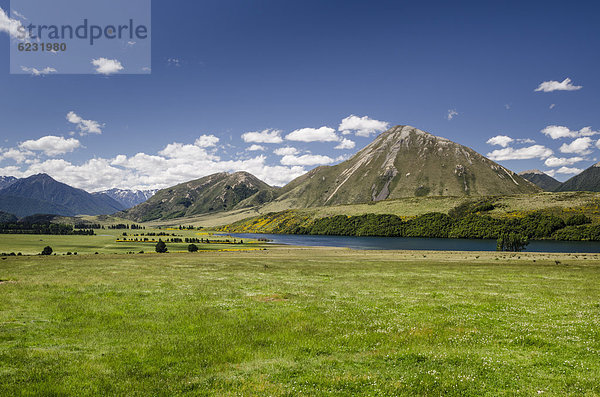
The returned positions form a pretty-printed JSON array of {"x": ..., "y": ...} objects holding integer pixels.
[{"x": 414, "y": 243}]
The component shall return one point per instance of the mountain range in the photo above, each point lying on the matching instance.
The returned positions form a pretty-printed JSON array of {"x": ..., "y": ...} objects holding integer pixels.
[
  {"x": 40, "y": 193},
  {"x": 401, "y": 162},
  {"x": 127, "y": 198}
]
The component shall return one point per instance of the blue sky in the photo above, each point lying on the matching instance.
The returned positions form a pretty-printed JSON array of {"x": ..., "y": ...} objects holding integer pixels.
[{"x": 221, "y": 69}]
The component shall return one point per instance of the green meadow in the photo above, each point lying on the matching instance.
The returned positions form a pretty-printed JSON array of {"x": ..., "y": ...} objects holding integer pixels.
[
  {"x": 111, "y": 241},
  {"x": 300, "y": 321}
]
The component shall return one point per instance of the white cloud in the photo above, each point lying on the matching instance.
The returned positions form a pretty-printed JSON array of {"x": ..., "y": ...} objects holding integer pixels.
[
  {"x": 567, "y": 170},
  {"x": 530, "y": 152},
  {"x": 452, "y": 113},
  {"x": 192, "y": 152},
  {"x": 18, "y": 156},
  {"x": 346, "y": 144},
  {"x": 307, "y": 159},
  {"x": 51, "y": 145},
  {"x": 557, "y": 162},
  {"x": 286, "y": 151},
  {"x": 323, "y": 134},
  {"x": 107, "y": 66},
  {"x": 85, "y": 126},
  {"x": 13, "y": 27},
  {"x": 550, "y": 173},
  {"x": 38, "y": 72},
  {"x": 579, "y": 146},
  {"x": 174, "y": 62},
  {"x": 525, "y": 140},
  {"x": 558, "y": 131},
  {"x": 19, "y": 15},
  {"x": 361, "y": 126},
  {"x": 265, "y": 136},
  {"x": 500, "y": 140},
  {"x": 507, "y": 106},
  {"x": 552, "y": 106},
  {"x": 565, "y": 85},
  {"x": 206, "y": 141},
  {"x": 256, "y": 148}
]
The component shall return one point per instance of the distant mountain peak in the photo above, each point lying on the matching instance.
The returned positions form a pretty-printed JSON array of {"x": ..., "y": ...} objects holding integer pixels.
[
  {"x": 541, "y": 179},
  {"x": 535, "y": 172}
]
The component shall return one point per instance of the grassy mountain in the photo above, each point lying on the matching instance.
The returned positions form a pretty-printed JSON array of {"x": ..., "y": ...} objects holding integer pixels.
[
  {"x": 42, "y": 194},
  {"x": 404, "y": 162},
  {"x": 126, "y": 197},
  {"x": 213, "y": 193},
  {"x": 540, "y": 179},
  {"x": 588, "y": 180},
  {"x": 6, "y": 181}
]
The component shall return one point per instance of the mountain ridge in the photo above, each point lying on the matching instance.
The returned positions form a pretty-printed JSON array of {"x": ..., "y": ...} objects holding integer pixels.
[{"x": 42, "y": 194}]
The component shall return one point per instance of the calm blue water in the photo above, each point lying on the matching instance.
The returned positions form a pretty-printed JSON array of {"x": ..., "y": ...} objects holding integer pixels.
[{"x": 412, "y": 243}]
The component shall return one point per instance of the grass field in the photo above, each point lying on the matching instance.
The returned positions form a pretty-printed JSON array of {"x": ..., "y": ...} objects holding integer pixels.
[
  {"x": 291, "y": 321},
  {"x": 110, "y": 241}
]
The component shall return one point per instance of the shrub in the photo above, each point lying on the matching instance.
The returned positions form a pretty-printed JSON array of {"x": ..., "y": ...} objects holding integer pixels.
[
  {"x": 511, "y": 242},
  {"x": 161, "y": 247},
  {"x": 577, "y": 220},
  {"x": 47, "y": 250},
  {"x": 192, "y": 248}
]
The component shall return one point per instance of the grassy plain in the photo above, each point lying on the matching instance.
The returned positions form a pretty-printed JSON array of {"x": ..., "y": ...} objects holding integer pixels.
[
  {"x": 301, "y": 321},
  {"x": 110, "y": 241}
]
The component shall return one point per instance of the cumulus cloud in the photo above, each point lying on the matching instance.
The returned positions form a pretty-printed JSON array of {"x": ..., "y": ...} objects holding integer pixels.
[
  {"x": 13, "y": 27},
  {"x": 286, "y": 151},
  {"x": 565, "y": 85},
  {"x": 307, "y": 159},
  {"x": 18, "y": 156},
  {"x": 567, "y": 170},
  {"x": 85, "y": 126},
  {"x": 107, "y": 66},
  {"x": 265, "y": 136},
  {"x": 558, "y": 131},
  {"x": 561, "y": 161},
  {"x": 346, "y": 144},
  {"x": 451, "y": 114},
  {"x": 525, "y": 153},
  {"x": 579, "y": 146},
  {"x": 361, "y": 126},
  {"x": 255, "y": 148},
  {"x": 38, "y": 72},
  {"x": 51, "y": 145},
  {"x": 206, "y": 141},
  {"x": 552, "y": 106},
  {"x": 323, "y": 134},
  {"x": 500, "y": 140}
]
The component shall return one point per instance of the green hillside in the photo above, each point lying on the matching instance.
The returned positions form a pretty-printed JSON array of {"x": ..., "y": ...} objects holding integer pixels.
[{"x": 213, "y": 193}]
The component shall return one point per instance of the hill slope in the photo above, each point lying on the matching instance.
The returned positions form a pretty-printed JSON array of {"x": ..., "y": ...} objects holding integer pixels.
[
  {"x": 541, "y": 180},
  {"x": 42, "y": 194},
  {"x": 213, "y": 193},
  {"x": 588, "y": 180},
  {"x": 404, "y": 162}
]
